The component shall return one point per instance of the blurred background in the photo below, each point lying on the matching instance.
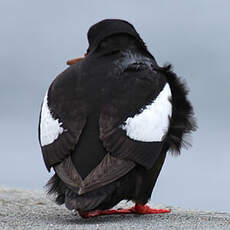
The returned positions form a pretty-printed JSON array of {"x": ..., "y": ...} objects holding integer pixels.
[{"x": 38, "y": 37}]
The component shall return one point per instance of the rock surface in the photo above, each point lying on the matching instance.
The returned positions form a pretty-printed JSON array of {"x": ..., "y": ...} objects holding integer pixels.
[{"x": 24, "y": 209}]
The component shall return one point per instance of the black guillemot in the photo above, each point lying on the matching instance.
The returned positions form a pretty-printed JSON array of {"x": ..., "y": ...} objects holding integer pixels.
[{"x": 107, "y": 122}]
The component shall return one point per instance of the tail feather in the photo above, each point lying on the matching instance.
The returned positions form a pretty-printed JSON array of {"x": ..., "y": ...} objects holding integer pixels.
[
  {"x": 56, "y": 188},
  {"x": 64, "y": 195},
  {"x": 182, "y": 122}
]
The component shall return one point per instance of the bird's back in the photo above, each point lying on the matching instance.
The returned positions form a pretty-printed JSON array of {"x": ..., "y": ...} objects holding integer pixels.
[
  {"x": 89, "y": 152},
  {"x": 107, "y": 80}
]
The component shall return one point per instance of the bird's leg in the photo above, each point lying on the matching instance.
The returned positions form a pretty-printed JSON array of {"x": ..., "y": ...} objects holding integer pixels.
[
  {"x": 73, "y": 61},
  {"x": 137, "y": 209}
]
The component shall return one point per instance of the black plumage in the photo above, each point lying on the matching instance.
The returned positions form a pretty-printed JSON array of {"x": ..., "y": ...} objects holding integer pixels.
[{"x": 96, "y": 163}]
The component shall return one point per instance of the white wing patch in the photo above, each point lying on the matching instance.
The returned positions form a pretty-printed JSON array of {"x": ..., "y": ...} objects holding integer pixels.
[
  {"x": 50, "y": 128},
  {"x": 153, "y": 122}
]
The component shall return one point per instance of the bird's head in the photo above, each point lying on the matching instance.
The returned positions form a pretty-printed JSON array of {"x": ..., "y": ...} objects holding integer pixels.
[
  {"x": 112, "y": 34},
  {"x": 105, "y": 29}
]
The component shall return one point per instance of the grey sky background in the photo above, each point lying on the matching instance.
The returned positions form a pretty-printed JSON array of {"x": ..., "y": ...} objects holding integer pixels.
[{"x": 37, "y": 38}]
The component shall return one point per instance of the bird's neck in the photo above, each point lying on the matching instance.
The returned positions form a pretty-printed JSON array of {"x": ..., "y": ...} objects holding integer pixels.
[{"x": 130, "y": 57}]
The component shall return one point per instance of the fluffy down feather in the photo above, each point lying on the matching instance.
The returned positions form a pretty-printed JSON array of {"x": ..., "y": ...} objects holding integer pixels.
[{"x": 182, "y": 121}]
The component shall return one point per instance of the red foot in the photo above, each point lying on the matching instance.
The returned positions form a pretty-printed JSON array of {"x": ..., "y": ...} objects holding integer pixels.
[
  {"x": 105, "y": 212},
  {"x": 138, "y": 209},
  {"x": 145, "y": 209}
]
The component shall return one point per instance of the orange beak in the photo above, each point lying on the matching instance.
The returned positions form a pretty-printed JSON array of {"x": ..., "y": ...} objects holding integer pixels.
[{"x": 73, "y": 61}]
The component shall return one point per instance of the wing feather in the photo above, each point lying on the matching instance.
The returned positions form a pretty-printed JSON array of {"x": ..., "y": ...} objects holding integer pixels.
[
  {"x": 62, "y": 119},
  {"x": 139, "y": 91}
]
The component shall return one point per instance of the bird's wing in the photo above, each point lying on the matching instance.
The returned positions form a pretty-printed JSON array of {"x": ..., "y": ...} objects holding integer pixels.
[
  {"x": 134, "y": 123},
  {"x": 62, "y": 118}
]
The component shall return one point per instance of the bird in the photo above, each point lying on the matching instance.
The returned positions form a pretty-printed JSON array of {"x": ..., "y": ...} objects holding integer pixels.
[{"x": 108, "y": 121}]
